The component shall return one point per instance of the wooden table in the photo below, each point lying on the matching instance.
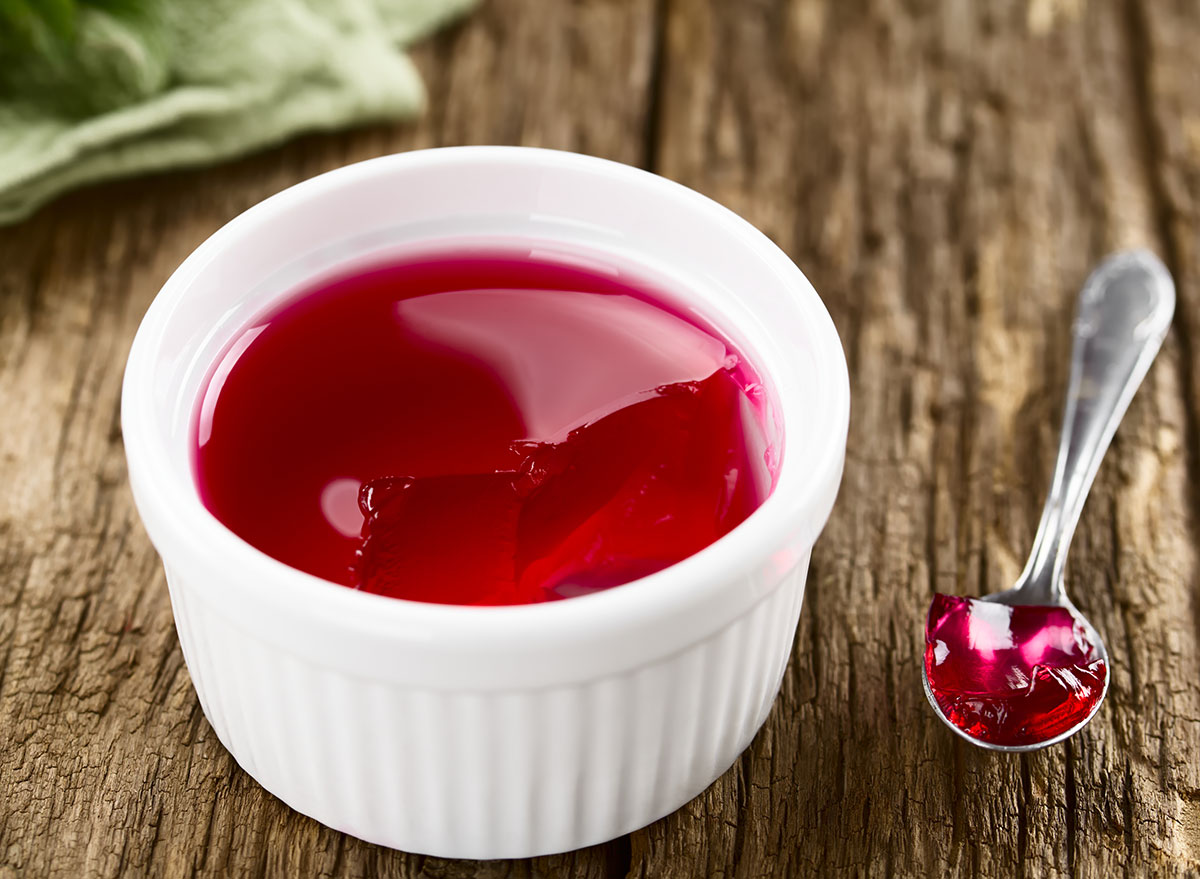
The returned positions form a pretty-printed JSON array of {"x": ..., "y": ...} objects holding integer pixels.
[{"x": 945, "y": 171}]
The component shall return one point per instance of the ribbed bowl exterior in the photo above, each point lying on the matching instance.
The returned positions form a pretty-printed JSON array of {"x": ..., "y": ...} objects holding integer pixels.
[{"x": 486, "y": 774}]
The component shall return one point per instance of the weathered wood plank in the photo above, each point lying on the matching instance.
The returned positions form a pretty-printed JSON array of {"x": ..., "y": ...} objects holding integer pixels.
[
  {"x": 945, "y": 171},
  {"x": 107, "y": 766},
  {"x": 1167, "y": 81}
]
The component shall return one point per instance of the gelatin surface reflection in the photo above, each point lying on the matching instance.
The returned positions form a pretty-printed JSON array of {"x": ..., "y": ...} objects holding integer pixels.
[
  {"x": 1010, "y": 675},
  {"x": 480, "y": 427}
]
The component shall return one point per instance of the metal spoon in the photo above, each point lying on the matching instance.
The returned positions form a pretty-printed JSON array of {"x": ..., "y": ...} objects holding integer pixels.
[{"x": 1125, "y": 308}]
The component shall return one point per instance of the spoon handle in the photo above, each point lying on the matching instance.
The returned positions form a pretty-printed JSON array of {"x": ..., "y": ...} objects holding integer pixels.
[{"x": 1125, "y": 308}]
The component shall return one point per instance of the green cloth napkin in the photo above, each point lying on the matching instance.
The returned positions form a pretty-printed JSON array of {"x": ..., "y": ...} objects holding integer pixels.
[{"x": 203, "y": 80}]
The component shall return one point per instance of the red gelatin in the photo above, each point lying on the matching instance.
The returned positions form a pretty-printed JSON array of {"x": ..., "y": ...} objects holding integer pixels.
[
  {"x": 1010, "y": 675},
  {"x": 480, "y": 428}
]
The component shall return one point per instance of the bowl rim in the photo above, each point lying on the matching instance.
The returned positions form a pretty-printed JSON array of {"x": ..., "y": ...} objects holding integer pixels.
[{"x": 791, "y": 517}]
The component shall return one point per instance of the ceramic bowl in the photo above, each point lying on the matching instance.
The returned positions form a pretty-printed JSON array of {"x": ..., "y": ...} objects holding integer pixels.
[{"x": 484, "y": 732}]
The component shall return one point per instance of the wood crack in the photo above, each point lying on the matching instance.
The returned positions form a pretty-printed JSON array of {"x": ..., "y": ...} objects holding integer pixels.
[
  {"x": 1071, "y": 797},
  {"x": 656, "y": 88},
  {"x": 618, "y": 858},
  {"x": 1127, "y": 813},
  {"x": 1155, "y": 157},
  {"x": 1024, "y": 804}
]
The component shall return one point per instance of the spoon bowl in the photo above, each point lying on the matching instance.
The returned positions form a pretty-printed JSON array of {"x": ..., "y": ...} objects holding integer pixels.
[{"x": 1013, "y": 598}]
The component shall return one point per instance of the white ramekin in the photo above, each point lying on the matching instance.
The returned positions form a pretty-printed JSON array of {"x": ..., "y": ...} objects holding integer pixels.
[{"x": 488, "y": 732}]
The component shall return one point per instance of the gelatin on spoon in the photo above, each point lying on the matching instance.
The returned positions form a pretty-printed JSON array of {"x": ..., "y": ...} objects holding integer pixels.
[{"x": 1011, "y": 675}]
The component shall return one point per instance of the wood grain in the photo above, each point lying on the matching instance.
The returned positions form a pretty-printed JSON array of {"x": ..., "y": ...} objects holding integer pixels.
[{"x": 945, "y": 171}]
